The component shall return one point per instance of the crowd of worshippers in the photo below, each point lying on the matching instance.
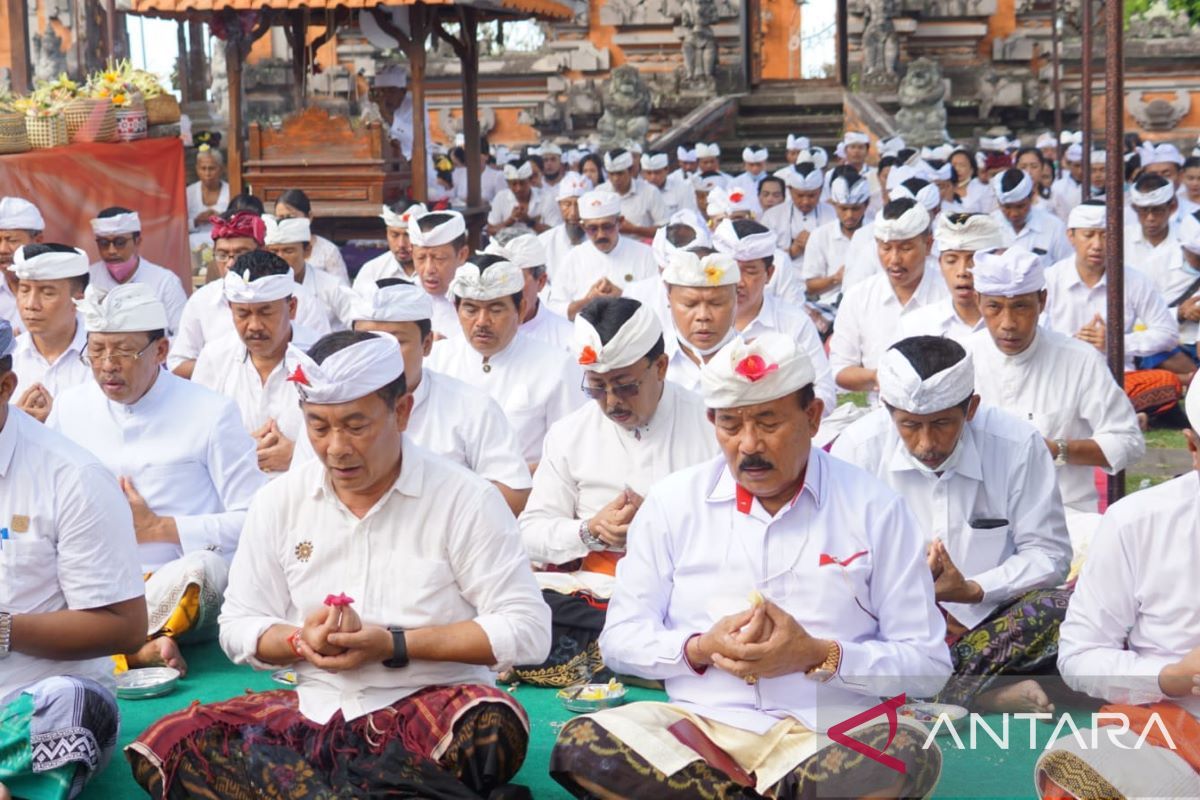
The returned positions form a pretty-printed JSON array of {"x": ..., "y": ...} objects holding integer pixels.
[{"x": 608, "y": 445}]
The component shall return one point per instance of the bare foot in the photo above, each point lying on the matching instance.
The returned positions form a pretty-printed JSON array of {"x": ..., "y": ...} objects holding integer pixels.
[
  {"x": 1018, "y": 698},
  {"x": 159, "y": 652},
  {"x": 1143, "y": 421}
]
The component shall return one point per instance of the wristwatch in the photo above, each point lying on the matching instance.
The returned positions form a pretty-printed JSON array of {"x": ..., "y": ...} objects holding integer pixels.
[
  {"x": 589, "y": 539},
  {"x": 5, "y": 634},
  {"x": 829, "y": 667},
  {"x": 1061, "y": 446},
  {"x": 399, "y": 657}
]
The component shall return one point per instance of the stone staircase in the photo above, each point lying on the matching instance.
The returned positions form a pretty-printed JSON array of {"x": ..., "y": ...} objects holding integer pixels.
[{"x": 770, "y": 112}]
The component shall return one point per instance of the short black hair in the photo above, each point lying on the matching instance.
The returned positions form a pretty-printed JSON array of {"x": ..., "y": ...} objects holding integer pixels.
[
  {"x": 1191, "y": 162},
  {"x": 260, "y": 263},
  {"x": 904, "y": 154},
  {"x": 930, "y": 355},
  {"x": 1041, "y": 157},
  {"x": 1150, "y": 183},
  {"x": 701, "y": 251},
  {"x": 772, "y": 179},
  {"x": 970, "y": 160},
  {"x": 244, "y": 202},
  {"x": 424, "y": 326},
  {"x": 113, "y": 211},
  {"x": 804, "y": 168},
  {"x": 297, "y": 199},
  {"x": 680, "y": 235},
  {"x": 914, "y": 184},
  {"x": 41, "y": 248},
  {"x": 1133, "y": 164},
  {"x": 805, "y": 396},
  {"x": 483, "y": 261},
  {"x": 431, "y": 221},
  {"x": 896, "y": 208},
  {"x": 534, "y": 158},
  {"x": 846, "y": 171},
  {"x": 592, "y": 158},
  {"x": 608, "y": 314},
  {"x": 1011, "y": 178},
  {"x": 331, "y": 343},
  {"x": 887, "y": 162}
]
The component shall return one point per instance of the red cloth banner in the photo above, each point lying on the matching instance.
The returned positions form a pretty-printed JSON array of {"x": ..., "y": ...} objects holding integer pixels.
[{"x": 71, "y": 184}]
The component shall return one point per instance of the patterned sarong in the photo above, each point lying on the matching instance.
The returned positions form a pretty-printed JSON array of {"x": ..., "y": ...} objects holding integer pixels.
[
  {"x": 1153, "y": 391},
  {"x": 575, "y": 624}
]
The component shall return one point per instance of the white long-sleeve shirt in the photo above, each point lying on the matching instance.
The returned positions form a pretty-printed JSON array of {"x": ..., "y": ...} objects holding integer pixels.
[
  {"x": 1173, "y": 277},
  {"x": 1072, "y": 304},
  {"x": 589, "y": 459},
  {"x": 381, "y": 266},
  {"x": 845, "y": 559},
  {"x": 786, "y": 222},
  {"x": 939, "y": 319},
  {"x": 165, "y": 283},
  {"x": 439, "y": 547},
  {"x": 1064, "y": 388},
  {"x": 336, "y": 299},
  {"x": 791, "y": 321},
  {"x": 642, "y": 205},
  {"x": 1147, "y": 258},
  {"x": 505, "y": 202},
  {"x": 627, "y": 262},
  {"x": 825, "y": 255},
  {"x": 550, "y": 327},
  {"x": 67, "y": 370},
  {"x": 1134, "y": 609},
  {"x": 558, "y": 251},
  {"x": 185, "y": 450},
  {"x": 1043, "y": 233},
  {"x": 1002, "y": 471},
  {"x": 327, "y": 258}
]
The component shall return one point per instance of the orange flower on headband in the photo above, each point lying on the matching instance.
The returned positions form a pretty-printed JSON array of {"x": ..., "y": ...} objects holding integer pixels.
[
  {"x": 298, "y": 376},
  {"x": 754, "y": 368},
  {"x": 587, "y": 356},
  {"x": 736, "y": 196},
  {"x": 713, "y": 274}
]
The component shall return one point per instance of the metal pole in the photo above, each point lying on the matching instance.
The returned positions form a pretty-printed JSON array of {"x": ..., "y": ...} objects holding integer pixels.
[
  {"x": 1056, "y": 87},
  {"x": 1085, "y": 96},
  {"x": 1114, "y": 182}
]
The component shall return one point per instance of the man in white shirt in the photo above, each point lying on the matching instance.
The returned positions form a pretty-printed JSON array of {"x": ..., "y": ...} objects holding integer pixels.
[
  {"x": 1056, "y": 382},
  {"x": 702, "y": 293},
  {"x": 439, "y": 241},
  {"x": 250, "y": 367},
  {"x": 1152, "y": 244},
  {"x": 606, "y": 264},
  {"x": 186, "y": 465},
  {"x": 48, "y": 355},
  {"x": 773, "y": 590},
  {"x": 20, "y": 224},
  {"x": 552, "y": 175},
  {"x": 754, "y": 169},
  {"x": 1023, "y": 224},
  {"x": 520, "y": 203},
  {"x": 957, "y": 316},
  {"x": 1130, "y": 639},
  {"x": 871, "y": 312},
  {"x": 1077, "y": 305},
  {"x": 685, "y": 158},
  {"x": 70, "y": 593},
  {"x": 677, "y": 193},
  {"x": 534, "y": 382},
  {"x": 795, "y": 220},
  {"x": 708, "y": 160},
  {"x": 118, "y": 233},
  {"x": 598, "y": 463},
  {"x": 1067, "y": 191},
  {"x": 524, "y": 249},
  {"x": 291, "y": 240},
  {"x": 563, "y": 238},
  {"x": 397, "y": 262},
  {"x": 1179, "y": 284},
  {"x": 642, "y": 206},
  {"x": 425, "y": 585},
  {"x": 825, "y": 253},
  {"x": 981, "y": 484},
  {"x": 1163, "y": 160}
]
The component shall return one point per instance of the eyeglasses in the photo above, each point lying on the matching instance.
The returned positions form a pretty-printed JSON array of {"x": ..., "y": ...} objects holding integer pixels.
[
  {"x": 118, "y": 357},
  {"x": 605, "y": 227},
  {"x": 116, "y": 241},
  {"x": 222, "y": 256},
  {"x": 622, "y": 391}
]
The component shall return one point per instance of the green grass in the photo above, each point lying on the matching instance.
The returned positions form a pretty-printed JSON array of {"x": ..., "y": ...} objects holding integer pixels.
[
  {"x": 1165, "y": 438},
  {"x": 857, "y": 398},
  {"x": 1133, "y": 481}
]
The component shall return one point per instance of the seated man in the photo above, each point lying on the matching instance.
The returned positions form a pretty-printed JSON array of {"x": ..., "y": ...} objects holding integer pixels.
[
  {"x": 186, "y": 465},
  {"x": 1023, "y": 224},
  {"x": 527, "y": 253},
  {"x": 1056, "y": 382},
  {"x": 519, "y": 204},
  {"x": 20, "y": 224},
  {"x": 397, "y": 262},
  {"x": 535, "y": 383},
  {"x": 47, "y": 359},
  {"x": 797, "y": 218},
  {"x": 118, "y": 233},
  {"x": 70, "y": 594},
  {"x": 1131, "y": 639},
  {"x": 439, "y": 242},
  {"x": 772, "y": 589},
  {"x": 561, "y": 240},
  {"x": 825, "y": 255},
  {"x": 250, "y": 367},
  {"x": 426, "y": 587},
  {"x": 702, "y": 292},
  {"x": 448, "y": 418},
  {"x": 291, "y": 240},
  {"x": 981, "y": 484},
  {"x": 597, "y": 465}
]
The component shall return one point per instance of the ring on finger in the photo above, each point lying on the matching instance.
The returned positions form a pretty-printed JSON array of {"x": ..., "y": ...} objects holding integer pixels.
[{"x": 751, "y": 679}]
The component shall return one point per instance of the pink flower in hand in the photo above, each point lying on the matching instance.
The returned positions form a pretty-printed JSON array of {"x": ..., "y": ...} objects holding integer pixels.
[{"x": 340, "y": 599}]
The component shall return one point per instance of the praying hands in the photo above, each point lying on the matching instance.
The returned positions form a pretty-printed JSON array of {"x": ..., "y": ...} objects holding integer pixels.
[
  {"x": 761, "y": 642},
  {"x": 949, "y": 584},
  {"x": 334, "y": 639},
  {"x": 1094, "y": 333},
  {"x": 274, "y": 449},
  {"x": 611, "y": 523},
  {"x": 36, "y": 402}
]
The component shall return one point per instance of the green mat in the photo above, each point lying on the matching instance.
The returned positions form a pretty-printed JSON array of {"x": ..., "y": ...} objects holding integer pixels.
[{"x": 986, "y": 772}]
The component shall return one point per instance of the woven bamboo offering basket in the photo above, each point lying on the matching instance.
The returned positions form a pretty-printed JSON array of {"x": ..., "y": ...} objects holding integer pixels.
[
  {"x": 47, "y": 131},
  {"x": 91, "y": 120}
]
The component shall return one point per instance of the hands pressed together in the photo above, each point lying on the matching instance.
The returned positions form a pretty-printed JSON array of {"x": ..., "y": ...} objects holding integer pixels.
[
  {"x": 611, "y": 523},
  {"x": 334, "y": 639},
  {"x": 761, "y": 642}
]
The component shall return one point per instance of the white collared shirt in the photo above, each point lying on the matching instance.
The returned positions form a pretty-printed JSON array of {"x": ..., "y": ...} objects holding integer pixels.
[
  {"x": 1043, "y": 233},
  {"x": 1071, "y": 304},
  {"x": 589, "y": 460},
  {"x": 1002, "y": 471},
  {"x": 67, "y": 541},
  {"x": 1065, "y": 194},
  {"x": 558, "y": 248},
  {"x": 793, "y": 322},
  {"x": 628, "y": 261},
  {"x": 381, "y": 266},
  {"x": 939, "y": 319},
  {"x": 326, "y": 257},
  {"x": 67, "y": 370},
  {"x": 505, "y": 202},
  {"x": 336, "y": 300},
  {"x": 642, "y": 205},
  {"x": 1150, "y": 260},
  {"x": 195, "y": 204},
  {"x": 535, "y": 383},
  {"x": 185, "y": 450},
  {"x": 550, "y": 212},
  {"x": 165, "y": 283},
  {"x": 862, "y": 257},
  {"x": 439, "y": 547},
  {"x": 1134, "y": 608},
  {"x": 825, "y": 255},
  {"x": 549, "y": 327},
  {"x": 1173, "y": 277},
  {"x": 845, "y": 558},
  {"x": 973, "y": 200},
  {"x": 1063, "y": 387},
  {"x": 678, "y": 194},
  {"x": 8, "y": 307},
  {"x": 787, "y": 222}
]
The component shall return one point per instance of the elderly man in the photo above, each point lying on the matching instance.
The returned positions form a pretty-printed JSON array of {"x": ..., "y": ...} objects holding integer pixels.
[
  {"x": 539, "y": 322},
  {"x": 1131, "y": 639},
  {"x": 534, "y": 382},
  {"x": 291, "y": 241},
  {"x": 598, "y": 463},
  {"x": 958, "y": 237},
  {"x": 677, "y": 193},
  {"x": 250, "y": 366},
  {"x": 20, "y": 224},
  {"x": 1077, "y": 305},
  {"x": 47, "y": 359},
  {"x": 425, "y": 587},
  {"x": 606, "y": 264},
  {"x": 1023, "y": 224},
  {"x": 702, "y": 294},
  {"x": 397, "y": 262},
  {"x": 794, "y": 221},
  {"x": 563, "y": 238},
  {"x": 187, "y": 467},
  {"x": 1054, "y": 381},
  {"x": 981, "y": 484},
  {"x": 70, "y": 594},
  {"x": 825, "y": 253},
  {"x": 519, "y": 204},
  {"x": 871, "y": 312},
  {"x": 439, "y": 241},
  {"x": 118, "y": 233},
  {"x": 642, "y": 206},
  {"x": 776, "y": 591}
]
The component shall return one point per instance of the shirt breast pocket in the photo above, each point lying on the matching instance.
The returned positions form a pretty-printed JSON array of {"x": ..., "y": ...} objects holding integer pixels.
[
  {"x": 985, "y": 549},
  {"x": 28, "y": 572},
  {"x": 827, "y": 594},
  {"x": 168, "y": 488}
]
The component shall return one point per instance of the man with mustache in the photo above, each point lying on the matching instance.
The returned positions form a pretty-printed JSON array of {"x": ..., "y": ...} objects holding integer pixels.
[
  {"x": 606, "y": 264},
  {"x": 439, "y": 243},
  {"x": 776, "y": 591},
  {"x": 981, "y": 484},
  {"x": 20, "y": 224},
  {"x": 118, "y": 233},
  {"x": 702, "y": 290},
  {"x": 250, "y": 367},
  {"x": 598, "y": 462},
  {"x": 397, "y": 262},
  {"x": 552, "y": 175},
  {"x": 563, "y": 238},
  {"x": 534, "y": 382}
]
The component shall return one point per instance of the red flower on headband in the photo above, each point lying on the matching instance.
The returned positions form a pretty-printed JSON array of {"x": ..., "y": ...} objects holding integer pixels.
[
  {"x": 341, "y": 599},
  {"x": 299, "y": 377},
  {"x": 241, "y": 224},
  {"x": 736, "y": 196},
  {"x": 587, "y": 356},
  {"x": 754, "y": 368}
]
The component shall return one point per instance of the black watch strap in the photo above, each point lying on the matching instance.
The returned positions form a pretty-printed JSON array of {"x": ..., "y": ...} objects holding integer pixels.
[{"x": 399, "y": 657}]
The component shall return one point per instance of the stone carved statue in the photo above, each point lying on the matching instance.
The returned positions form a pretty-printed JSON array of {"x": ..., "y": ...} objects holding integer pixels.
[
  {"x": 49, "y": 60},
  {"x": 1159, "y": 114},
  {"x": 699, "y": 42},
  {"x": 881, "y": 46},
  {"x": 626, "y": 116},
  {"x": 921, "y": 119}
]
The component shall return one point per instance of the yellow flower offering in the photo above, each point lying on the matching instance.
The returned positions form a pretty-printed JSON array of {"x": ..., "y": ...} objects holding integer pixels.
[
  {"x": 713, "y": 274},
  {"x": 756, "y": 598}
]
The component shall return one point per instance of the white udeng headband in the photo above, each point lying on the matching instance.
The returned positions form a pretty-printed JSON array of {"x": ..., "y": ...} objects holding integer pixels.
[
  {"x": 1014, "y": 272},
  {"x": 521, "y": 173},
  {"x": 811, "y": 182},
  {"x": 747, "y": 373},
  {"x": 1087, "y": 215},
  {"x": 685, "y": 268},
  {"x": 976, "y": 232},
  {"x": 619, "y": 163},
  {"x": 847, "y": 194},
  {"x": 901, "y": 387},
  {"x": 500, "y": 279},
  {"x": 910, "y": 224},
  {"x": 655, "y": 162},
  {"x": 294, "y": 230},
  {"x": 350, "y": 373},
  {"x": 1156, "y": 197},
  {"x": 629, "y": 344},
  {"x": 50, "y": 266},
  {"x": 445, "y": 233},
  {"x": 116, "y": 225},
  {"x": 1017, "y": 193},
  {"x": 749, "y": 248},
  {"x": 240, "y": 289},
  {"x": 402, "y": 302},
  {"x": 128, "y": 308}
]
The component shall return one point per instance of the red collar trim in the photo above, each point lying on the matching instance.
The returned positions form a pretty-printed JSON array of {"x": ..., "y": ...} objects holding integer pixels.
[{"x": 745, "y": 500}]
